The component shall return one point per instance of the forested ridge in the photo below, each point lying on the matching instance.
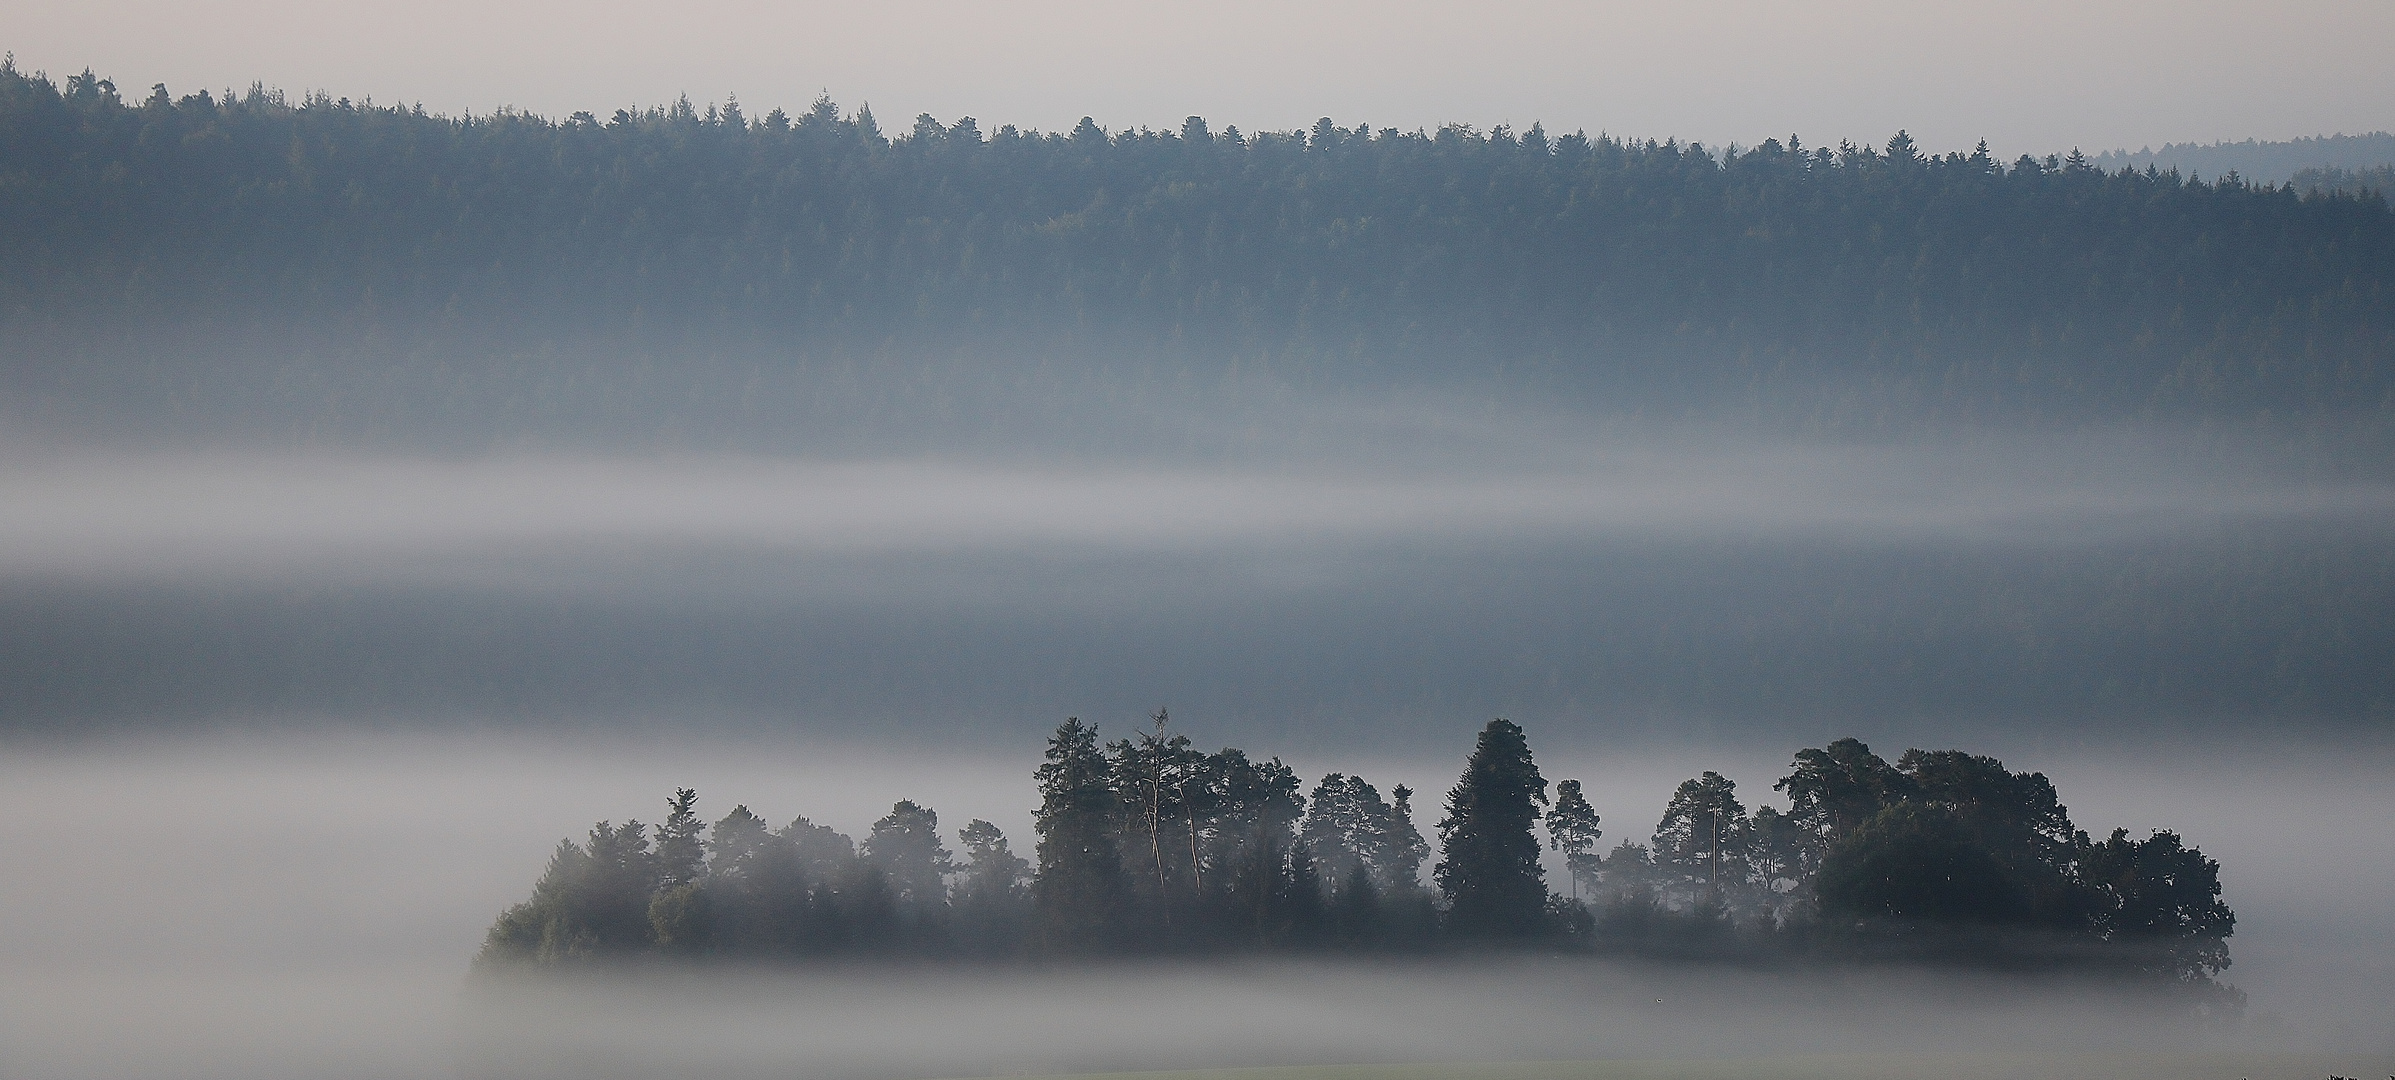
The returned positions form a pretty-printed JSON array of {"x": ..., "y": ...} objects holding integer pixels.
[
  {"x": 1150, "y": 847},
  {"x": 347, "y": 233}
]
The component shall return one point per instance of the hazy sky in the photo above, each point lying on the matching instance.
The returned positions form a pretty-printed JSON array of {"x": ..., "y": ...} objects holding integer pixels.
[{"x": 2029, "y": 77}]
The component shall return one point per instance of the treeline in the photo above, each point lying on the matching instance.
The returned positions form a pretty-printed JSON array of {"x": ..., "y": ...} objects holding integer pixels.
[
  {"x": 2376, "y": 180},
  {"x": 2266, "y": 162},
  {"x": 381, "y": 236},
  {"x": 1150, "y": 847}
]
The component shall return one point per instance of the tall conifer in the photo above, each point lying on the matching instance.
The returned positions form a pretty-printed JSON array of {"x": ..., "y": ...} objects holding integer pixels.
[{"x": 1490, "y": 874}]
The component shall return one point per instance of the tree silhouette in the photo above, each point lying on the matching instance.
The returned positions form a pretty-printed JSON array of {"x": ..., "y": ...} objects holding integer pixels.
[
  {"x": 681, "y": 855},
  {"x": 2159, "y": 900},
  {"x": 1946, "y": 855},
  {"x": 1572, "y": 829},
  {"x": 1080, "y": 888},
  {"x": 1491, "y": 877},
  {"x": 1700, "y": 845},
  {"x": 1405, "y": 850},
  {"x": 905, "y": 846}
]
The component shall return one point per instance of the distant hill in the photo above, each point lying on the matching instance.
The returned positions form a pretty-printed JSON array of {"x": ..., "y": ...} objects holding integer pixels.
[
  {"x": 2332, "y": 179},
  {"x": 2260, "y": 162},
  {"x": 320, "y": 264}
]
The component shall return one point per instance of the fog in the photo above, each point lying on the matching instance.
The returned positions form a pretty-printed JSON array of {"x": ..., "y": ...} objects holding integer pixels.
[
  {"x": 1390, "y": 574},
  {"x": 296, "y": 905},
  {"x": 283, "y": 732},
  {"x": 270, "y": 517}
]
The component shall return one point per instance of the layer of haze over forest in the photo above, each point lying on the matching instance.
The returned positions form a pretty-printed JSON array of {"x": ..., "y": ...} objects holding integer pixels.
[
  {"x": 386, "y": 494},
  {"x": 2297, "y": 161}
]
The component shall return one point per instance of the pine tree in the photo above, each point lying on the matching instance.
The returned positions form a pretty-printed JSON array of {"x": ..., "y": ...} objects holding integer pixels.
[
  {"x": 1572, "y": 829},
  {"x": 991, "y": 900},
  {"x": 1836, "y": 788},
  {"x": 1153, "y": 774},
  {"x": 1346, "y": 828},
  {"x": 905, "y": 844},
  {"x": 733, "y": 844},
  {"x": 2159, "y": 903},
  {"x": 1491, "y": 875},
  {"x": 1081, "y": 891},
  {"x": 992, "y": 870},
  {"x": 1701, "y": 843}
]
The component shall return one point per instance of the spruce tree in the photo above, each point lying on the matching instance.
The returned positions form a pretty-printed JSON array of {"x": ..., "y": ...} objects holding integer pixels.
[
  {"x": 681, "y": 916},
  {"x": 680, "y": 853},
  {"x": 1406, "y": 848},
  {"x": 1491, "y": 875}
]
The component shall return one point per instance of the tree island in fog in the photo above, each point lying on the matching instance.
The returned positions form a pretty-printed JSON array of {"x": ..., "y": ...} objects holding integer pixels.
[{"x": 1149, "y": 847}]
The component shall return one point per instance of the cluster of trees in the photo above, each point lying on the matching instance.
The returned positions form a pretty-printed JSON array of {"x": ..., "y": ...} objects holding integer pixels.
[
  {"x": 1943, "y": 850},
  {"x": 405, "y": 237},
  {"x": 1147, "y": 846}
]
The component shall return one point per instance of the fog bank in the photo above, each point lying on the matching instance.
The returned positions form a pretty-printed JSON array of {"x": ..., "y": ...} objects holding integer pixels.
[
  {"x": 1391, "y": 572},
  {"x": 293, "y": 906}
]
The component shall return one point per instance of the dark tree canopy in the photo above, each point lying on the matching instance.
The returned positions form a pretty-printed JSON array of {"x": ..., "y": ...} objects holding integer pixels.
[
  {"x": 2161, "y": 898},
  {"x": 1919, "y": 861},
  {"x": 1490, "y": 873},
  {"x": 1081, "y": 888},
  {"x": 905, "y": 846},
  {"x": 1702, "y": 841},
  {"x": 1833, "y": 790}
]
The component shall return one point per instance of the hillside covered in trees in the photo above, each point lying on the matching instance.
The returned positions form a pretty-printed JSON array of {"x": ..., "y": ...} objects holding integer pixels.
[
  {"x": 345, "y": 267},
  {"x": 2262, "y": 162},
  {"x": 1148, "y": 846}
]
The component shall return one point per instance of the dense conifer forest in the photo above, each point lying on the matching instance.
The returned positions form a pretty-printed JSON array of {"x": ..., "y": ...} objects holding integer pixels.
[
  {"x": 183, "y": 249},
  {"x": 1150, "y": 847}
]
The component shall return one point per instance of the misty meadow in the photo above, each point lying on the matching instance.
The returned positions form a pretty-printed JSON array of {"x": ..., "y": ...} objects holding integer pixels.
[{"x": 385, "y": 494}]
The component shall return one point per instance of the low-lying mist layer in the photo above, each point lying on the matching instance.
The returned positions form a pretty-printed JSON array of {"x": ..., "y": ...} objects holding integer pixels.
[
  {"x": 296, "y": 906},
  {"x": 1405, "y": 568},
  {"x": 902, "y": 1024},
  {"x": 115, "y": 518}
]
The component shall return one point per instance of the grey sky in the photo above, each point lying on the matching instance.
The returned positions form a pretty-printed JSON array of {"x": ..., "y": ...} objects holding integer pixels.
[{"x": 2034, "y": 77}]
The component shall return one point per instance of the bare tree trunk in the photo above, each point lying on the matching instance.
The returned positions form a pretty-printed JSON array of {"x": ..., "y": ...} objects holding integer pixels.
[{"x": 1156, "y": 745}]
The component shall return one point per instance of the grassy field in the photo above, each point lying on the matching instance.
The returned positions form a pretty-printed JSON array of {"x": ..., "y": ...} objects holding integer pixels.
[{"x": 1883, "y": 1066}]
